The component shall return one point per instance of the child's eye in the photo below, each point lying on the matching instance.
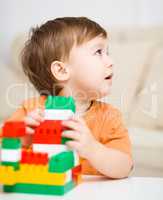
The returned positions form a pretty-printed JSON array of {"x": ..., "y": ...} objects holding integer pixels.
[{"x": 98, "y": 52}]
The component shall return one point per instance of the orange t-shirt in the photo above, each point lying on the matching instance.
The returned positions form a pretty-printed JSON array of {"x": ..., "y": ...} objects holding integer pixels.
[{"x": 104, "y": 121}]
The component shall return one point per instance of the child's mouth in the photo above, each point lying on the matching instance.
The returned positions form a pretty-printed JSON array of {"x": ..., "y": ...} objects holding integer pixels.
[{"x": 109, "y": 77}]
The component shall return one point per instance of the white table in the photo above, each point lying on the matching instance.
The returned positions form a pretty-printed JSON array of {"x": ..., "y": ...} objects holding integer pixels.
[{"x": 98, "y": 188}]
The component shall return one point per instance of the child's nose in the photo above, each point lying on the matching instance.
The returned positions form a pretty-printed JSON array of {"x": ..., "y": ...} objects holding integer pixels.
[{"x": 109, "y": 62}]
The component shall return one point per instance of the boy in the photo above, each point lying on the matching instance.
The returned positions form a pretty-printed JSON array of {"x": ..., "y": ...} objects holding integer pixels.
[{"x": 69, "y": 57}]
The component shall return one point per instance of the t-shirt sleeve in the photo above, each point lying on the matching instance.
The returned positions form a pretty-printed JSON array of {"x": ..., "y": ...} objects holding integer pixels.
[
  {"x": 18, "y": 115},
  {"x": 114, "y": 133}
]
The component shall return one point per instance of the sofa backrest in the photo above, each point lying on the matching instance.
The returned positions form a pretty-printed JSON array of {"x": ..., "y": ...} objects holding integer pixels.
[{"x": 137, "y": 85}]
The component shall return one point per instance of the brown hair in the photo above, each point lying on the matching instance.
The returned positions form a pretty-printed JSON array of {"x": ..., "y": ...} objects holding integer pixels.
[{"x": 53, "y": 41}]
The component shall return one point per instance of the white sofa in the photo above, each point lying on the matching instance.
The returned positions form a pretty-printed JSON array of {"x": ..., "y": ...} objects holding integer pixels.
[
  {"x": 138, "y": 67},
  {"x": 147, "y": 152}
]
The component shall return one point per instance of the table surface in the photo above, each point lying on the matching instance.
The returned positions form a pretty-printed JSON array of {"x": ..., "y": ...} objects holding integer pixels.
[{"x": 95, "y": 188}]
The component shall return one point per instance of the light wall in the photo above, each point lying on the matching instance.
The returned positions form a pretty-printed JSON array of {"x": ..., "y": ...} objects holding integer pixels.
[
  {"x": 129, "y": 47},
  {"x": 19, "y": 15}
]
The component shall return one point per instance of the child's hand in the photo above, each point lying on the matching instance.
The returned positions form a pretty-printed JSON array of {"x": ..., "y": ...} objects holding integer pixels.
[
  {"x": 33, "y": 119},
  {"x": 83, "y": 141}
]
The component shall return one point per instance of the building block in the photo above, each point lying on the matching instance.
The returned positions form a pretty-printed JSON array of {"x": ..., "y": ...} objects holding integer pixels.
[
  {"x": 76, "y": 174},
  {"x": 62, "y": 114},
  {"x": 13, "y": 155},
  {"x": 61, "y": 162},
  {"x": 11, "y": 143},
  {"x": 14, "y": 165},
  {"x": 33, "y": 174},
  {"x": 40, "y": 189},
  {"x": 76, "y": 158},
  {"x": 30, "y": 157},
  {"x": 64, "y": 140},
  {"x": 7, "y": 175},
  {"x": 50, "y": 149},
  {"x": 48, "y": 166},
  {"x": 77, "y": 169},
  {"x": 14, "y": 129},
  {"x": 49, "y": 132},
  {"x": 38, "y": 174},
  {"x": 60, "y": 102},
  {"x": 77, "y": 178}
]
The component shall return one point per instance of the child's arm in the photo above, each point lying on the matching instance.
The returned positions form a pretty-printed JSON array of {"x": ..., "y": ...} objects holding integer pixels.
[{"x": 107, "y": 159}]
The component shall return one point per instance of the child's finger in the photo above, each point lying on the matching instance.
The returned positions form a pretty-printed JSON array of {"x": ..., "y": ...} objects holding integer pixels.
[
  {"x": 73, "y": 145},
  {"x": 31, "y": 122},
  {"x": 37, "y": 116},
  {"x": 29, "y": 130},
  {"x": 40, "y": 112},
  {"x": 78, "y": 119},
  {"x": 72, "y": 125},
  {"x": 71, "y": 134}
]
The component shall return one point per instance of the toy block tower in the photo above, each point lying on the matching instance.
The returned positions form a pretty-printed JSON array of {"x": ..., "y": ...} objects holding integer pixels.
[{"x": 48, "y": 167}]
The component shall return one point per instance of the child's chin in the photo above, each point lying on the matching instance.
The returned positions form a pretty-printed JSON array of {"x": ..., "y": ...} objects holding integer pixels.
[
  {"x": 103, "y": 95},
  {"x": 106, "y": 93},
  {"x": 98, "y": 94}
]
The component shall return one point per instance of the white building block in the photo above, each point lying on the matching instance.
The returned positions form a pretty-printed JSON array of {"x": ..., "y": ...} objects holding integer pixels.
[
  {"x": 51, "y": 114},
  {"x": 68, "y": 176},
  {"x": 76, "y": 158},
  {"x": 50, "y": 149},
  {"x": 10, "y": 155}
]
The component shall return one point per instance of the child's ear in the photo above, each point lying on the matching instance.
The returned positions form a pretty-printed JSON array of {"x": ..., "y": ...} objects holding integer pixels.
[{"x": 60, "y": 71}]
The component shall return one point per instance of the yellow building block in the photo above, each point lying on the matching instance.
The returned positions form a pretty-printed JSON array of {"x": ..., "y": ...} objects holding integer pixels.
[
  {"x": 38, "y": 174},
  {"x": 7, "y": 175},
  {"x": 34, "y": 174}
]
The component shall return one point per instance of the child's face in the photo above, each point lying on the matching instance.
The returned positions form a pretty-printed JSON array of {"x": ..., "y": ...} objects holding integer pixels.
[{"x": 89, "y": 65}]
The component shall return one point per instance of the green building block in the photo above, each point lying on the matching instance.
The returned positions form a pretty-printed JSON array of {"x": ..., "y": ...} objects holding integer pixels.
[
  {"x": 64, "y": 140},
  {"x": 39, "y": 188},
  {"x": 61, "y": 162},
  {"x": 11, "y": 143},
  {"x": 15, "y": 165},
  {"x": 60, "y": 102}
]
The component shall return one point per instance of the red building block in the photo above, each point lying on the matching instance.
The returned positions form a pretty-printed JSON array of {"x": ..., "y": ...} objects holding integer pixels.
[
  {"x": 76, "y": 174},
  {"x": 29, "y": 157},
  {"x": 49, "y": 132},
  {"x": 14, "y": 129},
  {"x": 77, "y": 169}
]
